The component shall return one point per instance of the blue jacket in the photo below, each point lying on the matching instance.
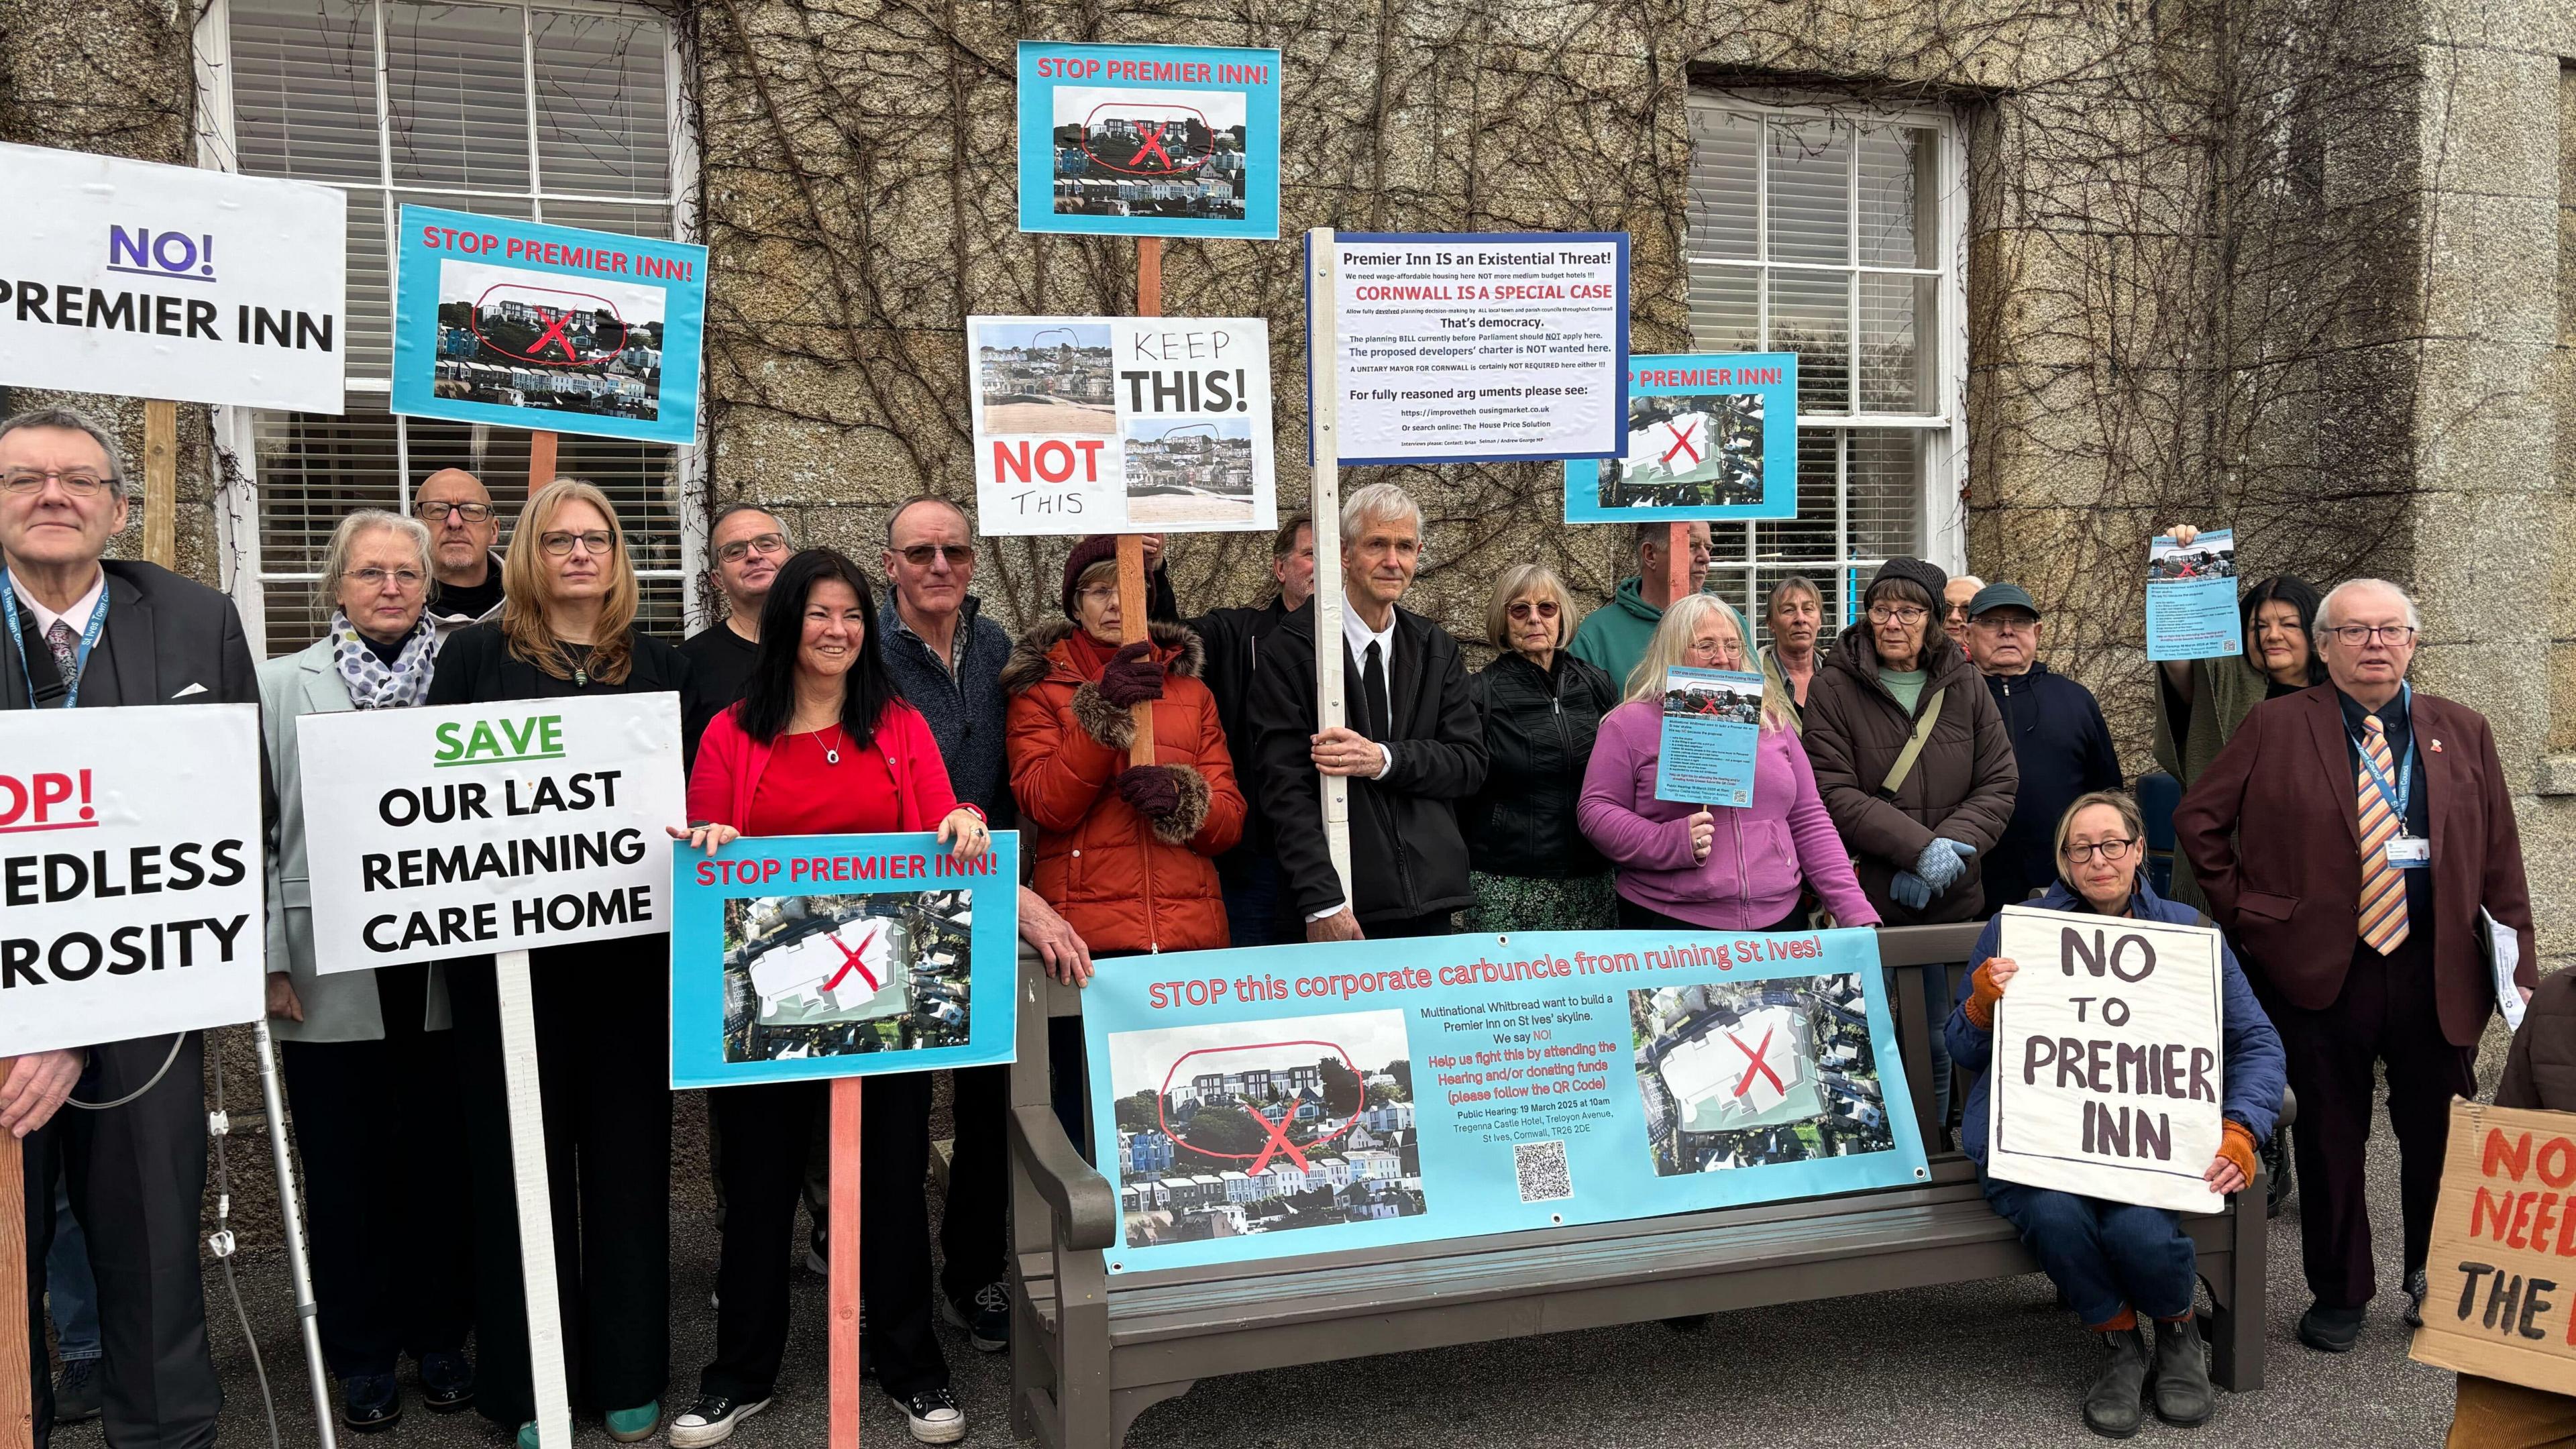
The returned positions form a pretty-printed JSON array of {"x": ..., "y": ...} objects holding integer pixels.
[
  {"x": 2256, "y": 1070},
  {"x": 964, "y": 710},
  {"x": 2063, "y": 750}
]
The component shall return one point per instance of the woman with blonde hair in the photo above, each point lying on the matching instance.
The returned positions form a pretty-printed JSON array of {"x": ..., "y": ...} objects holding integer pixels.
[
  {"x": 567, "y": 630},
  {"x": 1712, "y": 867},
  {"x": 1528, "y": 864}
]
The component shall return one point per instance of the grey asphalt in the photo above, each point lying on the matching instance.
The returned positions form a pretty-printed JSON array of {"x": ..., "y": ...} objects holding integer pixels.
[{"x": 1983, "y": 1366}]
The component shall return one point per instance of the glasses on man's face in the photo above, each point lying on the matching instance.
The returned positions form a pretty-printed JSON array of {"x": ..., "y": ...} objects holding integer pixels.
[
  {"x": 1525, "y": 610},
  {"x": 923, "y": 555},
  {"x": 559, "y": 545},
  {"x": 428, "y": 511},
  {"x": 2355, "y": 636},
  {"x": 763, "y": 544},
  {"x": 403, "y": 579},
  {"x": 78, "y": 482},
  {"x": 2113, "y": 851},
  {"x": 1897, "y": 614}
]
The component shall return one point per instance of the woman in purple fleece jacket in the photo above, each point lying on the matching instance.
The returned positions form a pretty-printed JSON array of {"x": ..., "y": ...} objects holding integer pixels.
[{"x": 1711, "y": 868}]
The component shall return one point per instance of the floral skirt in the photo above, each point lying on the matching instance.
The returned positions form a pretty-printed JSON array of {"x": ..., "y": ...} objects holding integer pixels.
[{"x": 1537, "y": 903}]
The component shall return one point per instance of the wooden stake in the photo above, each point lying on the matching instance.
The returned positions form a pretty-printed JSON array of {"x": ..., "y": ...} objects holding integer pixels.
[
  {"x": 536, "y": 1201},
  {"x": 1324, "y": 504},
  {"x": 161, "y": 482},
  {"x": 541, "y": 460},
  {"x": 17, "y": 1404},
  {"x": 841, "y": 1237},
  {"x": 1677, "y": 569},
  {"x": 1149, "y": 276},
  {"x": 1133, "y": 626}
]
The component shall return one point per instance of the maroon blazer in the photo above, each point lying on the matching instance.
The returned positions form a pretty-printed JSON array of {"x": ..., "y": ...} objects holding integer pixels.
[{"x": 2288, "y": 892}]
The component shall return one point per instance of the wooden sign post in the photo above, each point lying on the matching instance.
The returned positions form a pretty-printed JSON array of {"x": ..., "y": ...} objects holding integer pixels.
[
  {"x": 1325, "y": 506},
  {"x": 17, "y": 1402},
  {"x": 161, "y": 482},
  {"x": 841, "y": 1236},
  {"x": 1677, "y": 572},
  {"x": 1135, "y": 595}
]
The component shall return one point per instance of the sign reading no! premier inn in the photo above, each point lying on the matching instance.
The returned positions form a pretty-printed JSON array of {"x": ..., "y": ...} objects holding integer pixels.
[
  {"x": 154, "y": 281},
  {"x": 470, "y": 829},
  {"x": 129, "y": 874}
]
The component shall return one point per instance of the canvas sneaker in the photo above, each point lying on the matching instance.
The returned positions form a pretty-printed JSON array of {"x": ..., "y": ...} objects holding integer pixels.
[
  {"x": 986, "y": 1317},
  {"x": 936, "y": 1419},
  {"x": 711, "y": 1419}
]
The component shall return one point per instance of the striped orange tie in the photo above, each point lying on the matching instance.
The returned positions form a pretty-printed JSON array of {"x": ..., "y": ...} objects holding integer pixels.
[{"x": 2383, "y": 886}]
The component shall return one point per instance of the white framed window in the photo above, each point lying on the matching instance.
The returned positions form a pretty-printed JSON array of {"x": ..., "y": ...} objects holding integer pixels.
[
  {"x": 563, "y": 111},
  {"x": 1837, "y": 233}
]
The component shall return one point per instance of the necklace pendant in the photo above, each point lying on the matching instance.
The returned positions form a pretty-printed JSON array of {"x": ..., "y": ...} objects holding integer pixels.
[
  {"x": 580, "y": 677},
  {"x": 831, "y": 756}
]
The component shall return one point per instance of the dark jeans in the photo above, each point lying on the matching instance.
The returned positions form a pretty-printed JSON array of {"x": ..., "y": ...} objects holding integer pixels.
[
  {"x": 894, "y": 1232},
  {"x": 974, "y": 1230},
  {"x": 765, "y": 1129},
  {"x": 1251, "y": 887},
  {"x": 384, "y": 1185},
  {"x": 603, "y": 1064},
  {"x": 2105, "y": 1256}
]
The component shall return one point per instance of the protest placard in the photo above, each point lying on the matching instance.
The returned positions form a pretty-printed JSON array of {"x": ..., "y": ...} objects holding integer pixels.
[
  {"x": 2502, "y": 1269},
  {"x": 801, "y": 957},
  {"x": 1712, "y": 727},
  {"x": 1149, "y": 140},
  {"x": 552, "y": 328},
  {"x": 2108, "y": 1059},
  {"x": 1121, "y": 424},
  {"x": 1711, "y": 437},
  {"x": 2191, "y": 598},
  {"x": 130, "y": 871},
  {"x": 1472, "y": 347},
  {"x": 172, "y": 282},
  {"x": 469, "y": 829},
  {"x": 1306, "y": 1099}
]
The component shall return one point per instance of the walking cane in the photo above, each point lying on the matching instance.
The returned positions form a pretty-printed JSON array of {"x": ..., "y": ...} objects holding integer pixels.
[{"x": 306, "y": 1312}]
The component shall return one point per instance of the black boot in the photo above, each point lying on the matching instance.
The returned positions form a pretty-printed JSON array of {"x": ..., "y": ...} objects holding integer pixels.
[
  {"x": 2111, "y": 1407},
  {"x": 2183, "y": 1396}
]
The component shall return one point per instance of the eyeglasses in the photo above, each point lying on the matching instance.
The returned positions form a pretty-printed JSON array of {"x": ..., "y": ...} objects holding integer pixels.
[
  {"x": 1897, "y": 614},
  {"x": 1099, "y": 593},
  {"x": 763, "y": 543},
  {"x": 2113, "y": 851},
  {"x": 922, "y": 555},
  {"x": 2356, "y": 635},
  {"x": 559, "y": 545},
  {"x": 404, "y": 579},
  {"x": 1524, "y": 609},
  {"x": 79, "y": 483},
  {"x": 431, "y": 512}
]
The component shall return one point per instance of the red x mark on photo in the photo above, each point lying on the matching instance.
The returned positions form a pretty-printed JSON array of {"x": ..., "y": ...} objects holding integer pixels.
[
  {"x": 554, "y": 333},
  {"x": 1153, "y": 144},
  {"x": 1278, "y": 1139},
  {"x": 850, "y": 962},
  {"x": 1759, "y": 1066},
  {"x": 1681, "y": 435}
]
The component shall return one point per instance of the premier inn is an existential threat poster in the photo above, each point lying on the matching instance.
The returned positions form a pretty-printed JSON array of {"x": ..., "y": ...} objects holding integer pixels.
[{"x": 1306, "y": 1099}]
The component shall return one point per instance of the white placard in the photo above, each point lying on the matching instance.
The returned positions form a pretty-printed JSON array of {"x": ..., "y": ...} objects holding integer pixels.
[
  {"x": 2109, "y": 1062},
  {"x": 469, "y": 829},
  {"x": 130, "y": 881},
  {"x": 155, "y": 281},
  {"x": 1121, "y": 424},
  {"x": 1466, "y": 348}
]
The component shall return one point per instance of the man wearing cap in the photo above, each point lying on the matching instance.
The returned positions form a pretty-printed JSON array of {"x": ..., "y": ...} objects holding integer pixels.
[{"x": 2059, "y": 740}]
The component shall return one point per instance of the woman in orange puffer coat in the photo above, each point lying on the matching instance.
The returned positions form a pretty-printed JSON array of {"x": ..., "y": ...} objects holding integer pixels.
[{"x": 1126, "y": 854}]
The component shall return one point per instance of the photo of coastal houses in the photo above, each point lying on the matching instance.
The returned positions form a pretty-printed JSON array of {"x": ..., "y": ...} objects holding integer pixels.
[{"x": 521, "y": 338}]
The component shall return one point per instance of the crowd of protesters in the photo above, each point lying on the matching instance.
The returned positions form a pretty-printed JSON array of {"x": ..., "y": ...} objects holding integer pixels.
[{"x": 1923, "y": 765}]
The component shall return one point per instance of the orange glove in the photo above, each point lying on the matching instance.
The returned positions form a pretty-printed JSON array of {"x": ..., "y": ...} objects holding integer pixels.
[
  {"x": 1983, "y": 992},
  {"x": 2236, "y": 1144}
]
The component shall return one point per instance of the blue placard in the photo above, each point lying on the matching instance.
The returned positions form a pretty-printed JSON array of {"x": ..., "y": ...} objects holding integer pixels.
[
  {"x": 800, "y": 957},
  {"x": 1304, "y": 1099},
  {"x": 1711, "y": 436},
  {"x": 1149, "y": 140},
  {"x": 1712, "y": 729},
  {"x": 550, "y": 328},
  {"x": 2191, "y": 598}
]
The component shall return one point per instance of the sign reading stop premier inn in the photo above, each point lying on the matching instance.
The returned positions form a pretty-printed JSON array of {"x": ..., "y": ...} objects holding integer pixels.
[{"x": 470, "y": 829}]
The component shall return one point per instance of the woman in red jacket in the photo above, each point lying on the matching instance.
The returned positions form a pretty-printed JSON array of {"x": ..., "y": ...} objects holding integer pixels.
[{"x": 821, "y": 744}]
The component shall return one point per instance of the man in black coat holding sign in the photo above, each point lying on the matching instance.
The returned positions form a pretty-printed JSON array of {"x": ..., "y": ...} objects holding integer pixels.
[
  {"x": 1416, "y": 748},
  {"x": 138, "y": 1171}
]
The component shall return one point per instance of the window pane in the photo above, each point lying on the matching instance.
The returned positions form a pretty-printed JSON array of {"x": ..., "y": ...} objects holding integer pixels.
[
  {"x": 1723, "y": 213},
  {"x": 304, "y": 89},
  {"x": 602, "y": 117},
  {"x": 1811, "y": 316},
  {"x": 1895, "y": 368},
  {"x": 371, "y": 308},
  {"x": 1810, "y": 192},
  {"x": 1895, "y": 165},
  {"x": 634, "y": 220},
  {"x": 1725, "y": 308},
  {"x": 1810, "y": 537},
  {"x": 456, "y": 78},
  {"x": 313, "y": 470},
  {"x": 1886, "y": 493}
]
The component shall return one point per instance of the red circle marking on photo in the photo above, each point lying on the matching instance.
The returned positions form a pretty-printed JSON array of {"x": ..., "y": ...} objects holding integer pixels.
[
  {"x": 554, "y": 340},
  {"x": 1158, "y": 127},
  {"x": 1277, "y": 1141}
]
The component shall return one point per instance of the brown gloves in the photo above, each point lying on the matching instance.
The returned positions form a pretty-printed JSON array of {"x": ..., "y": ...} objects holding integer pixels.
[
  {"x": 1132, "y": 676},
  {"x": 2236, "y": 1144},
  {"x": 1983, "y": 992}
]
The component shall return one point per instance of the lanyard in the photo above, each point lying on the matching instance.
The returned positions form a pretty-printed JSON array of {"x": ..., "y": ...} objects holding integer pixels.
[
  {"x": 18, "y": 641},
  {"x": 2397, "y": 797}
]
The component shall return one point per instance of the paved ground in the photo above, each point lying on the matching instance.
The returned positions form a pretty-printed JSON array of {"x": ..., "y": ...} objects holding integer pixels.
[{"x": 1984, "y": 1366}]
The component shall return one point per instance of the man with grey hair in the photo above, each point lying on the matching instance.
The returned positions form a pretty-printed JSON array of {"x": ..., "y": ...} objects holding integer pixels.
[
  {"x": 87, "y": 632},
  {"x": 465, "y": 564},
  {"x": 1414, "y": 746},
  {"x": 2355, "y": 839}
]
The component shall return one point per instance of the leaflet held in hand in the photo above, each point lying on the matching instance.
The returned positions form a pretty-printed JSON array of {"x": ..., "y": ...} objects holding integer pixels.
[{"x": 1712, "y": 727}]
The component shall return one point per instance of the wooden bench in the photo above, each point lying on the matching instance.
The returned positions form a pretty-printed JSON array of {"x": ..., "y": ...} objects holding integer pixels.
[{"x": 1090, "y": 1351}]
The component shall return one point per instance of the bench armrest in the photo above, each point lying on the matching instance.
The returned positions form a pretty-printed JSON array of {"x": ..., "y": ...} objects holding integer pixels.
[{"x": 1085, "y": 1210}]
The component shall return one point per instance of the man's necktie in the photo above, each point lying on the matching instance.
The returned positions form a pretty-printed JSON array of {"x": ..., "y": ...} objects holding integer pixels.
[
  {"x": 2383, "y": 886},
  {"x": 1373, "y": 689},
  {"x": 66, "y": 647}
]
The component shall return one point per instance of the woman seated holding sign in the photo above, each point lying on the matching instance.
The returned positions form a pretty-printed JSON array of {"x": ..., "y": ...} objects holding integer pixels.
[
  {"x": 2114, "y": 1261},
  {"x": 821, "y": 744},
  {"x": 1711, "y": 867}
]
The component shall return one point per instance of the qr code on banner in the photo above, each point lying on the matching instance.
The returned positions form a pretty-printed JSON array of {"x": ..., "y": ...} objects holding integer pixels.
[{"x": 1540, "y": 1169}]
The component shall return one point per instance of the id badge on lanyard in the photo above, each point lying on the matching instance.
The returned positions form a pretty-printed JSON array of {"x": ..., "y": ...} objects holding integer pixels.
[
  {"x": 80, "y": 657},
  {"x": 2405, "y": 851}
]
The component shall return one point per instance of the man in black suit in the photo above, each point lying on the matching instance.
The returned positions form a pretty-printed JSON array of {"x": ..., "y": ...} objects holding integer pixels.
[
  {"x": 1415, "y": 748},
  {"x": 138, "y": 1171}
]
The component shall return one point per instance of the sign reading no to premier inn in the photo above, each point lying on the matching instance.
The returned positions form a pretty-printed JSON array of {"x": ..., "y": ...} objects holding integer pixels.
[
  {"x": 129, "y": 874},
  {"x": 470, "y": 829},
  {"x": 172, "y": 282}
]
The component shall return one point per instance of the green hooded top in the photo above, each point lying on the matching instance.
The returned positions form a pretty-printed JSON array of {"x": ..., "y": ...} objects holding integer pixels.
[{"x": 1614, "y": 636}]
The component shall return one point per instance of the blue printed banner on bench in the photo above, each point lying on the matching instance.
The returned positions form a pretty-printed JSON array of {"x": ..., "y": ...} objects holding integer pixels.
[{"x": 1307, "y": 1099}]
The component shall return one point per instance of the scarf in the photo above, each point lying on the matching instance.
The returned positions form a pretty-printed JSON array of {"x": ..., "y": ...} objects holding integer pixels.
[
  {"x": 1088, "y": 655},
  {"x": 372, "y": 683}
]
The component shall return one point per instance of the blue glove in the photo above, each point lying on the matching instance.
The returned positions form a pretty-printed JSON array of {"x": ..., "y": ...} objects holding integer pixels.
[
  {"x": 1942, "y": 863},
  {"x": 1910, "y": 891}
]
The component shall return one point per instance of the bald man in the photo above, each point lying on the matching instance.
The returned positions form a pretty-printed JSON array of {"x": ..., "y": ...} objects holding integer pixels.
[{"x": 463, "y": 527}]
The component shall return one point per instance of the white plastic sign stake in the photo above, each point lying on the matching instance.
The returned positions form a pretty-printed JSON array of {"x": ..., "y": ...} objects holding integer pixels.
[
  {"x": 536, "y": 1201},
  {"x": 1326, "y": 506}
]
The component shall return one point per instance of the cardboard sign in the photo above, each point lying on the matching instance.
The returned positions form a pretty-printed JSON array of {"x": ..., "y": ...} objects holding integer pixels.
[
  {"x": 552, "y": 328},
  {"x": 1712, "y": 730},
  {"x": 1308, "y": 1099},
  {"x": 800, "y": 957},
  {"x": 2108, "y": 1060},
  {"x": 1121, "y": 425},
  {"x": 475, "y": 828},
  {"x": 2501, "y": 1275},
  {"x": 1472, "y": 347},
  {"x": 1149, "y": 140},
  {"x": 155, "y": 281},
  {"x": 130, "y": 880},
  {"x": 1711, "y": 436},
  {"x": 2191, "y": 598}
]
